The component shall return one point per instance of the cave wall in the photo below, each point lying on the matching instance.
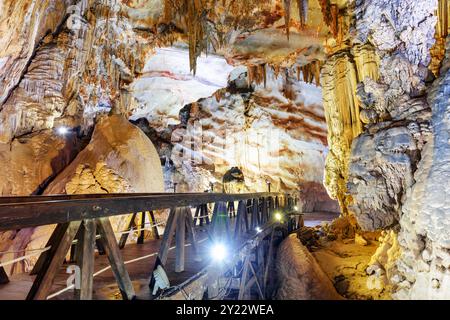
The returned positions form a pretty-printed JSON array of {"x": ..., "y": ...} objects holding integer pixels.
[
  {"x": 386, "y": 174},
  {"x": 85, "y": 64}
]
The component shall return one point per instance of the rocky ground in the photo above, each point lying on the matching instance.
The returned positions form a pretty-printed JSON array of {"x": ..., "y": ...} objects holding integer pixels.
[{"x": 330, "y": 254}]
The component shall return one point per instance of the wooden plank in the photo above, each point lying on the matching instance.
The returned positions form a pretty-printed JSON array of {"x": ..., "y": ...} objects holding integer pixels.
[
  {"x": 180, "y": 239},
  {"x": 3, "y": 276},
  {"x": 85, "y": 259},
  {"x": 53, "y": 210},
  {"x": 124, "y": 236},
  {"x": 167, "y": 236},
  {"x": 115, "y": 258},
  {"x": 44, "y": 280}
]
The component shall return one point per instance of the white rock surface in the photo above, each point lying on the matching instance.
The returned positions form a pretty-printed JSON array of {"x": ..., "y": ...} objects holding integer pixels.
[{"x": 167, "y": 84}]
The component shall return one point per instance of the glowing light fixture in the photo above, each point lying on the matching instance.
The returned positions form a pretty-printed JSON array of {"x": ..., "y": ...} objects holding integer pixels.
[
  {"x": 295, "y": 208},
  {"x": 62, "y": 130},
  {"x": 278, "y": 216},
  {"x": 258, "y": 229},
  {"x": 219, "y": 252}
]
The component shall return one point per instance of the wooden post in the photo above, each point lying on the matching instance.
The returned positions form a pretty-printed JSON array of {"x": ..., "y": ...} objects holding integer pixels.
[
  {"x": 142, "y": 231},
  {"x": 124, "y": 236},
  {"x": 169, "y": 232},
  {"x": 85, "y": 259},
  {"x": 241, "y": 225},
  {"x": 191, "y": 234},
  {"x": 3, "y": 276},
  {"x": 53, "y": 241},
  {"x": 112, "y": 250},
  {"x": 62, "y": 239},
  {"x": 268, "y": 263},
  {"x": 180, "y": 238},
  {"x": 254, "y": 215},
  {"x": 231, "y": 210},
  {"x": 264, "y": 211},
  {"x": 220, "y": 222},
  {"x": 243, "y": 285},
  {"x": 197, "y": 214},
  {"x": 155, "y": 232}
]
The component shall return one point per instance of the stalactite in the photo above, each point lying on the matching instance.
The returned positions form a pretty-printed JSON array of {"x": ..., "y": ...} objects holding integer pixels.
[
  {"x": 438, "y": 50},
  {"x": 256, "y": 74},
  {"x": 287, "y": 15},
  {"x": 195, "y": 14},
  {"x": 330, "y": 13},
  {"x": 302, "y": 11}
]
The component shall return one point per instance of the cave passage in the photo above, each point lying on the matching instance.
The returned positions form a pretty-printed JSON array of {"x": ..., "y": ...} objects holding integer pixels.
[{"x": 224, "y": 150}]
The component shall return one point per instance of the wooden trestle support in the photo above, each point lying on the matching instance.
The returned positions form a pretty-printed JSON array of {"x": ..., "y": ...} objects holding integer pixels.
[{"x": 247, "y": 270}]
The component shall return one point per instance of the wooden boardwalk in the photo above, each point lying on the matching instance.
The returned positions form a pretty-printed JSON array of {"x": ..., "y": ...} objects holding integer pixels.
[
  {"x": 105, "y": 286},
  {"x": 139, "y": 264}
]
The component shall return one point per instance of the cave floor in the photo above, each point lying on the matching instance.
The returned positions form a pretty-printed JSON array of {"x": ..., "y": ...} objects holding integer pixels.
[{"x": 345, "y": 262}]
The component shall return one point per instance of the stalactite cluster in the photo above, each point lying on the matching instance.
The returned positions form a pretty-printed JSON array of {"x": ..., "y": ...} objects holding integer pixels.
[
  {"x": 310, "y": 72},
  {"x": 302, "y": 6},
  {"x": 201, "y": 17},
  {"x": 330, "y": 13}
]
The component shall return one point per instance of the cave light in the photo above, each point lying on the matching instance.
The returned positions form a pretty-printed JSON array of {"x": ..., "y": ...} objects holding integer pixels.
[
  {"x": 258, "y": 229},
  {"x": 219, "y": 252},
  {"x": 278, "y": 216},
  {"x": 62, "y": 131}
]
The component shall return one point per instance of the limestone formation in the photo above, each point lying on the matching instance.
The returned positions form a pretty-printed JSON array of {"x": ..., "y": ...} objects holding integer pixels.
[
  {"x": 300, "y": 276},
  {"x": 119, "y": 159},
  {"x": 274, "y": 133},
  {"x": 424, "y": 236}
]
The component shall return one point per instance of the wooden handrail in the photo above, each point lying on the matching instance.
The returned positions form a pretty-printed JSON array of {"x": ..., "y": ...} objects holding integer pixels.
[{"x": 31, "y": 211}]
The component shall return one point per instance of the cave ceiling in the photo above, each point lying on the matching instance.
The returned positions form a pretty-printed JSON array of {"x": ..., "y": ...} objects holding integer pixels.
[{"x": 244, "y": 32}]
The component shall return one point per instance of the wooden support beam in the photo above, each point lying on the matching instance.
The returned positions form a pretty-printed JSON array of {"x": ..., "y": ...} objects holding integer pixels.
[
  {"x": 191, "y": 234},
  {"x": 3, "y": 276},
  {"x": 124, "y": 236},
  {"x": 231, "y": 210},
  {"x": 264, "y": 211},
  {"x": 155, "y": 232},
  {"x": 241, "y": 225},
  {"x": 142, "y": 231},
  {"x": 180, "y": 239},
  {"x": 14, "y": 211},
  {"x": 220, "y": 228},
  {"x": 197, "y": 214},
  {"x": 85, "y": 259},
  {"x": 62, "y": 239},
  {"x": 255, "y": 275},
  {"x": 112, "y": 250},
  {"x": 268, "y": 262},
  {"x": 54, "y": 239},
  {"x": 243, "y": 286},
  {"x": 254, "y": 214},
  {"x": 169, "y": 232}
]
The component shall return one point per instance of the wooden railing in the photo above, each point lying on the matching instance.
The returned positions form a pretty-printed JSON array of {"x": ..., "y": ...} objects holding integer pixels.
[{"x": 83, "y": 217}]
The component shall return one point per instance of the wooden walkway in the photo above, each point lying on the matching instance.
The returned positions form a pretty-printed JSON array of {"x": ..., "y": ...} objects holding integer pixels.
[{"x": 139, "y": 263}]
